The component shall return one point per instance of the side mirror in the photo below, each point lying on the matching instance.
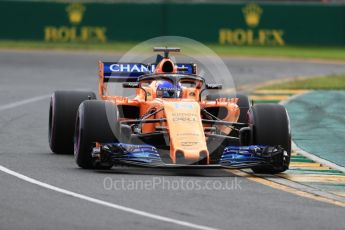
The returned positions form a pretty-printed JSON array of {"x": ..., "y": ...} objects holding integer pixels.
[
  {"x": 213, "y": 86},
  {"x": 131, "y": 85}
]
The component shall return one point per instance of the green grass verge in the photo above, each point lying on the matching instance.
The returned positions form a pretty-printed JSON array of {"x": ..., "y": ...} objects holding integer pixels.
[
  {"x": 113, "y": 47},
  {"x": 332, "y": 82},
  {"x": 327, "y": 53}
]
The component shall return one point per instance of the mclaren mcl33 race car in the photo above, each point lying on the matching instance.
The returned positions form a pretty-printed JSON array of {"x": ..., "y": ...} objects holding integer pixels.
[{"x": 168, "y": 122}]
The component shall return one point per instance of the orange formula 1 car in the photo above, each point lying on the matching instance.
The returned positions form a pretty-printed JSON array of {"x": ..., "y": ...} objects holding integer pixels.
[{"x": 168, "y": 123}]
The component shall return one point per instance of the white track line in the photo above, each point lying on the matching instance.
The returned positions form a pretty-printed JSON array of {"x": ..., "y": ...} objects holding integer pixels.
[
  {"x": 23, "y": 102},
  {"x": 87, "y": 198},
  {"x": 104, "y": 203}
]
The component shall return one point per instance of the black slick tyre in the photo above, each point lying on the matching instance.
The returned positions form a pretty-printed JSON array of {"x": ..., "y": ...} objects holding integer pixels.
[
  {"x": 271, "y": 127},
  {"x": 62, "y": 114},
  {"x": 96, "y": 122}
]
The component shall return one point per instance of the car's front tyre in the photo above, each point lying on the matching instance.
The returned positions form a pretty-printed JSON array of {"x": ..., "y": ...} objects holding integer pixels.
[
  {"x": 96, "y": 122},
  {"x": 271, "y": 127}
]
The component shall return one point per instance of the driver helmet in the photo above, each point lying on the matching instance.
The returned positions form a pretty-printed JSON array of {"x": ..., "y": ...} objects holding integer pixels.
[{"x": 166, "y": 89}]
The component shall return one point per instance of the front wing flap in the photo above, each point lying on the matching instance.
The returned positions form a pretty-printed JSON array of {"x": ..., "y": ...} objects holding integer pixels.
[{"x": 253, "y": 155}]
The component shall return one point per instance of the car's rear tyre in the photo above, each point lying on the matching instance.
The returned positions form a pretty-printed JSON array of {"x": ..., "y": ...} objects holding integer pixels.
[
  {"x": 96, "y": 122},
  {"x": 271, "y": 127},
  {"x": 62, "y": 114},
  {"x": 243, "y": 103}
]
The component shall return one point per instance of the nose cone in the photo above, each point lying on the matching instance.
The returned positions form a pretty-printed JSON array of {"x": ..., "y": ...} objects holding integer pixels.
[
  {"x": 186, "y": 132},
  {"x": 191, "y": 156}
]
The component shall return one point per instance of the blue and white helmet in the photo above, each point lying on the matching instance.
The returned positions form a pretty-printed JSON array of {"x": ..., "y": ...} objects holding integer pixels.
[{"x": 166, "y": 89}]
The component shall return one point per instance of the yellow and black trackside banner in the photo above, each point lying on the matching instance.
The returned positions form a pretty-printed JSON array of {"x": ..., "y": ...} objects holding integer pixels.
[{"x": 227, "y": 24}]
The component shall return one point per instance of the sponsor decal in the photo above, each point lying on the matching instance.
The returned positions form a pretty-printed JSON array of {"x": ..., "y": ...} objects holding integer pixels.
[
  {"x": 184, "y": 117},
  {"x": 168, "y": 88},
  {"x": 189, "y": 143},
  {"x": 183, "y": 105},
  {"x": 131, "y": 85},
  {"x": 252, "y": 35},
  {"x": 75, "y": 32},
  {"x": 139, "y": 67},
  {"x": 214, "y": 86},
  {"x": 188, "y": 134},
  {"x": 129, "y": 68}
]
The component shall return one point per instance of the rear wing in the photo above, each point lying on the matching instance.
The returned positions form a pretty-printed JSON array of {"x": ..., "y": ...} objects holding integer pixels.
[{"x": 130, "y": 72}]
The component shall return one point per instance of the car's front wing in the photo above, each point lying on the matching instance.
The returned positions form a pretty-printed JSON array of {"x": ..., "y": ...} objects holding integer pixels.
[{"x": 148, "y": 156}]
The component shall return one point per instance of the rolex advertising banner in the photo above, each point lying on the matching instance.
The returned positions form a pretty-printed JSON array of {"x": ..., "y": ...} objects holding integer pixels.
[{"x": 251, "y": 24}]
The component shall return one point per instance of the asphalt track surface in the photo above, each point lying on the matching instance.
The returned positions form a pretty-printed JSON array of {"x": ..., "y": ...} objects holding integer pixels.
[{"x": 243, "y": 204}]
